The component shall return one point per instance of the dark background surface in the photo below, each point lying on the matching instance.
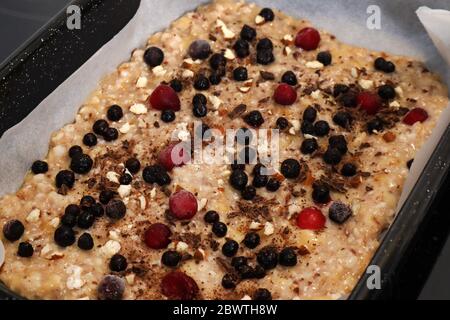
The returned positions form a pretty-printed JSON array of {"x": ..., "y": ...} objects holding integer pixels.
[{"x": 20, "y": 19}]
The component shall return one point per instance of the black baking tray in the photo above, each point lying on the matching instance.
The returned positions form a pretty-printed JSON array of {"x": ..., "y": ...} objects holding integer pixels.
[{"x": 409, "y": 248}]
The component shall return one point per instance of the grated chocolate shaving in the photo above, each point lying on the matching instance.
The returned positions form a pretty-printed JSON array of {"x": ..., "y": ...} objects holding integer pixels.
[
  {"x": 333, "y": 183},
  {"x": 267, "y": 75},
  {"x": 238, "y": 111}
]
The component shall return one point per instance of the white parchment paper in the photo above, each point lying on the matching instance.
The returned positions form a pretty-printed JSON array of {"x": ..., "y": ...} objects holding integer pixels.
[{"x": 400, "y": 33}]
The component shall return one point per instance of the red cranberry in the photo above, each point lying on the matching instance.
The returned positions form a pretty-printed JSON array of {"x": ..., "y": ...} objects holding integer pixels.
[
  {"x": 157, "y": 236},
  {"x": 285, "y": 95},
  {"x": 177, "y": 285},
  {"x": 183, "y": 205},
  {"x": 415, "y": 115},
  {"x": 369, "y": 102},
  {"x": 311, "y": 219},
  {"x": 307, "y": 39},
  {"x": 164, "y": 98},
  {"x": 179, "y": 157}
]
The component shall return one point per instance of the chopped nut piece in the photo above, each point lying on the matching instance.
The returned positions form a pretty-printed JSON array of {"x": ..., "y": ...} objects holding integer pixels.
[
  {"x": 112, "y": 176},
  {"x": 125, "y": 128},
  {"x": 54, "y": 222},
  {"x": 227, "y": 33},
  {"x": 153, "y": 193},
  {"x": 315, "y": 94},
  {"x": 399, "y": 91},
  {"x": 34, "y": 215},
  {"x": 124, "y": 190},
  {"x": 229, "y": 54},
  {"x": 216, "y": 102},
  {"x": 259, "y": 20},
  {"x": 295, "y": 124},
  {"x": 199, "y": 254},
  {"x": 187, "y": 74},
  {"x": 182, "y": 246},
  {"x": 202, "y": 203},
  {"x": 287, "y": 51},
  {"x": 287, "y": 40},
  {"x": 50, "y": 252},
  {"x": 189, "y": 63},
  {"x": 366, "y": 84},
  {"x": 138, "y": 108},
  {"x": 110, "y": 248},
  {"x": 394, "y": 104},
  {"x": 114, "y": 235},
  {"x": 247, "y": 86},
  {"x": 130, "y": 278},
  {"x": 255, "y": 225},
  {"x": 268, "y": 229},
  {"x": 74, "y": 281},
  {"x": 143, "y": 202},
  {"x": 141, "y": 82},
  {"x": 159, "y": 71}
]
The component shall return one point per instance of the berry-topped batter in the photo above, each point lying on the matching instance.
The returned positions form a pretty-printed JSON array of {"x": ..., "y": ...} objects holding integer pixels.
[{"x": 123, "y": 206}]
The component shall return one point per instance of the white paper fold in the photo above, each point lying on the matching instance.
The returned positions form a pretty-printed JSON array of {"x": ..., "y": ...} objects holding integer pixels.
[{"x": 437, "y": 24}]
